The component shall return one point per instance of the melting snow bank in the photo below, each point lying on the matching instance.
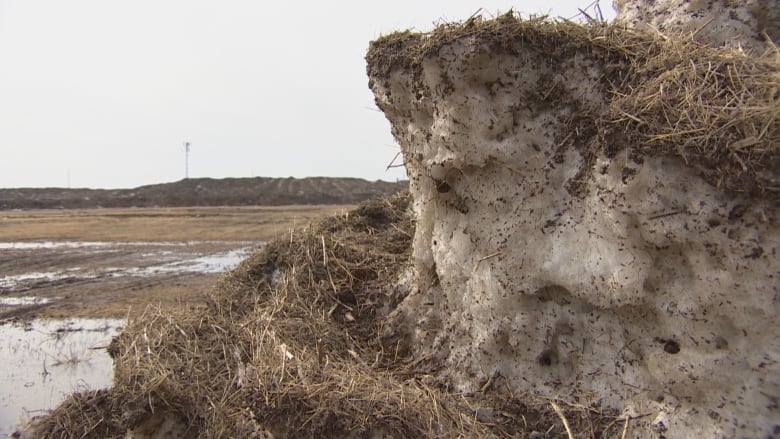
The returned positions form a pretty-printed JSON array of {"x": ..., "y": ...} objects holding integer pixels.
[
  {"x": 562, "y": 242},
  {"x": 45, "y": 360}
]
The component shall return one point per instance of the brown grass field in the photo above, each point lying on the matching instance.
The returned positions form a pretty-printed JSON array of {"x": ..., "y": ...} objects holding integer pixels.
[
  {"x": 159, "y": 224},
  {"x": 207, "y": 229}
]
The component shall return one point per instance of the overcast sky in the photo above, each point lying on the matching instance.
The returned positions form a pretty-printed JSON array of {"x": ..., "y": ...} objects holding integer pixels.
[{"x": 103, "y": 93}]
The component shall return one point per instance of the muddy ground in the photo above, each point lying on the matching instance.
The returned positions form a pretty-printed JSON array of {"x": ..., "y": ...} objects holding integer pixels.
[
  {"x": 109, "y": 279},
  {"x": 111, "y": 262}
]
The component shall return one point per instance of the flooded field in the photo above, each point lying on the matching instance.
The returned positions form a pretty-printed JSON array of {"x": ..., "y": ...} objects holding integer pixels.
[
  {"x": 149, "y": 258},
  {"x": 47, "y": 275},
  {"x": 69, "y": 279},
  {"x": 44, "y": 360}
]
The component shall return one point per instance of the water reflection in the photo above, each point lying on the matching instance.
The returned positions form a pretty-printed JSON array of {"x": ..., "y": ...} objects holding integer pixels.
[{"x": 45, "y": 360}]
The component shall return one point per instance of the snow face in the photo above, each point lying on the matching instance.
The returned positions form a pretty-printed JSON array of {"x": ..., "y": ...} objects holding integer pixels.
[
  {"x": 742, "y": 24},
  {"x": 650, "y": 291}
]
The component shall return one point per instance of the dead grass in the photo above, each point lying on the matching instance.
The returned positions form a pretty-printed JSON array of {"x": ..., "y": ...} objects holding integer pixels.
[
  {"x": 289, "y": 344},
  {"x": 159, "y": 224},
  {"x": 717, "y": 109}
]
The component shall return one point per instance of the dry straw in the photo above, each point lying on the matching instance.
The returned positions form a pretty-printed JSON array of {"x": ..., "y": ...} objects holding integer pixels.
[{"x": 717, "y": 109}]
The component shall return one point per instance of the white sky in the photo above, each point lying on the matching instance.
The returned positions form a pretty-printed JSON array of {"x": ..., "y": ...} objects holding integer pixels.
[{"x": 103, "y": 93}]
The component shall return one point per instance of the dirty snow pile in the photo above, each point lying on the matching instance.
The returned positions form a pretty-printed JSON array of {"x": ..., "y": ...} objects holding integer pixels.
[{"x": 571, "y": 263}]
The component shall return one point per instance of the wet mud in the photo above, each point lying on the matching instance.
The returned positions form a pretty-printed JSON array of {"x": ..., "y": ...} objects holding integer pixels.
[{"x": 107, "y": 279}]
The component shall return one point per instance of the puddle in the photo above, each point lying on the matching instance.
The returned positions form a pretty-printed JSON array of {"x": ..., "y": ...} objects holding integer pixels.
[
  {"x": 47, "y": 359},
  {"x": 47, "y": 245},
  {"x": 55, "y": 245},
  {"x": 11, "y": 281},
  {"x": 215, "y": 263},
  {"x": 22, "y": 301}
]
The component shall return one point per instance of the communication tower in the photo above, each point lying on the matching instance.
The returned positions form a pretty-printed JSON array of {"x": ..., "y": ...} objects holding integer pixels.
[{"x": 186, "y": 160}]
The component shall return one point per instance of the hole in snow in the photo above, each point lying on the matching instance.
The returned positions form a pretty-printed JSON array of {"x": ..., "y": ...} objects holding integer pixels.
[
  {"x": 548, "y": 357},
  {"x": 671, "y": 347}
]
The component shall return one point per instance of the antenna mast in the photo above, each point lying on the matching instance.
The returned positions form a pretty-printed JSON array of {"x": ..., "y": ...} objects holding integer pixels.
[{"x": 186, "y": 160}]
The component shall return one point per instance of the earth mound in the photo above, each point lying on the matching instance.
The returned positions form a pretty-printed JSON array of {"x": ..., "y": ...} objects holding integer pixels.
[{"x": 205, "y": 192}]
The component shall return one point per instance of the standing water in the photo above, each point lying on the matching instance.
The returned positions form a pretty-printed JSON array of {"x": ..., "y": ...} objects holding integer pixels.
[{"x": 44, "y": 360}]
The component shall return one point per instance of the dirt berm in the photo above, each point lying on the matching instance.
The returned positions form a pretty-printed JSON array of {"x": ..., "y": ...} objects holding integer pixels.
[{"x": 260, "y": 191}]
